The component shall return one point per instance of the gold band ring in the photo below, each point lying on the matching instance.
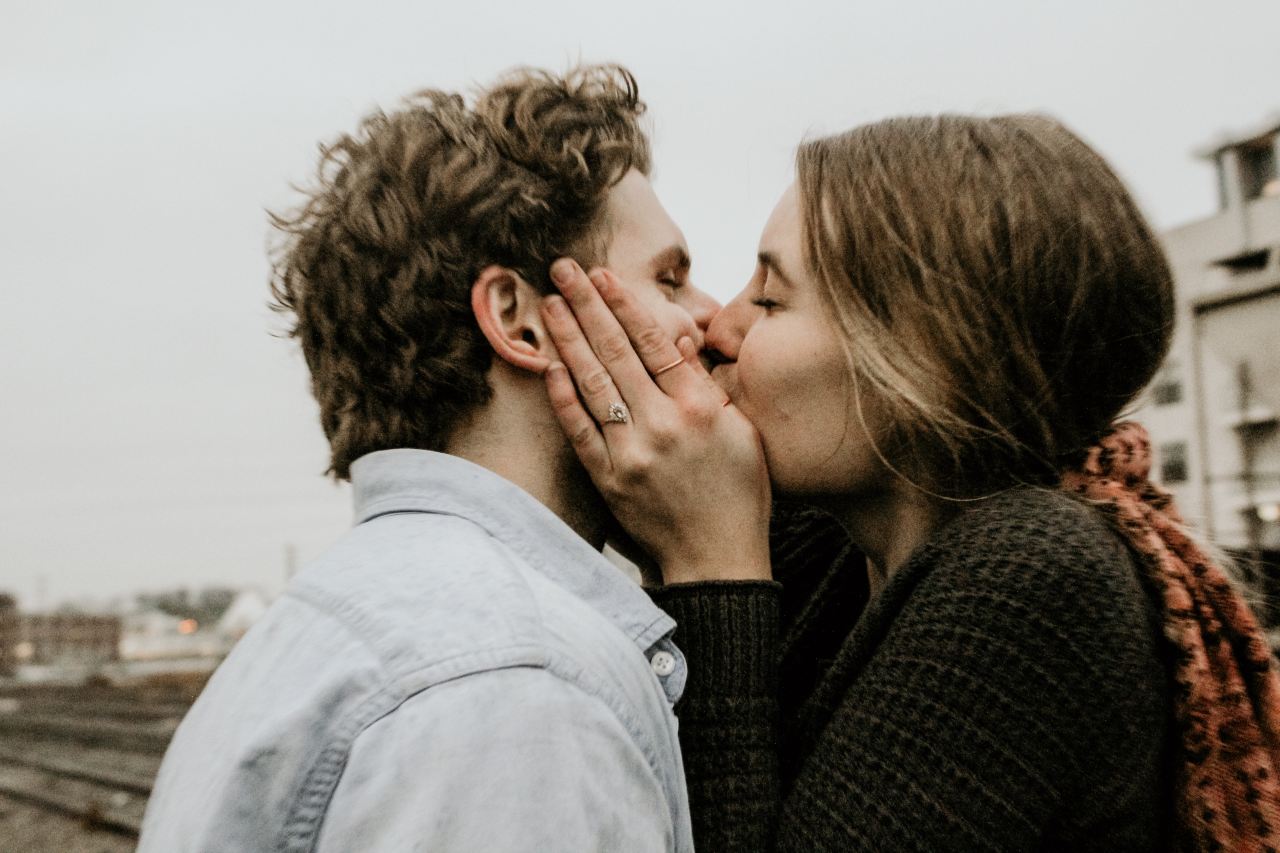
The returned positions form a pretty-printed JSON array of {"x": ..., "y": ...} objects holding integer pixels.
[{"x": 661, "y": 370}]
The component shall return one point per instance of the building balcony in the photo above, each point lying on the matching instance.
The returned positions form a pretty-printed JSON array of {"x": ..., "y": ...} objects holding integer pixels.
[{"x": 1254, "y": 418}]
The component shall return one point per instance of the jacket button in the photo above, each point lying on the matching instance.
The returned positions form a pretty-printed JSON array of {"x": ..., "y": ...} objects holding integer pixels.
[{"x": 663, "y": 664}]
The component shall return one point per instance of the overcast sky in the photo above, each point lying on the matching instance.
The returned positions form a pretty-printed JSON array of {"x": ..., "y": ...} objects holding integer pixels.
[{"x": 155, "y": 434}]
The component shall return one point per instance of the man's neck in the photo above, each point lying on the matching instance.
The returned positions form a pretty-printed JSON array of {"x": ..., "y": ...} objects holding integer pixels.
[{"x": 516, "y": 437}]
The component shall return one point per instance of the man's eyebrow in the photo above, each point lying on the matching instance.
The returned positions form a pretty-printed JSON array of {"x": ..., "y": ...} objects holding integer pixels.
[
  {"x": 769, "y": 261},
  {"x": 674, "y": 257}
]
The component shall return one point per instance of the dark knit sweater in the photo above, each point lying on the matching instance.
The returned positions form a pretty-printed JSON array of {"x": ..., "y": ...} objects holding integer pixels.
[{"x": 1004, "y": 691}]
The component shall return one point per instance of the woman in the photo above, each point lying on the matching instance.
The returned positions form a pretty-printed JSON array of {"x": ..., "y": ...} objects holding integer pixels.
[{"x": 946, "y": 318}]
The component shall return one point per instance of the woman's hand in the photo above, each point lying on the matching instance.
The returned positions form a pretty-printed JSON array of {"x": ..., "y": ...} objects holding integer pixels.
[{"x": 680, "y": 467}]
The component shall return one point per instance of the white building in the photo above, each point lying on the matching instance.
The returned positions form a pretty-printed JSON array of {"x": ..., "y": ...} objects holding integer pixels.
[{"x": 1213, "y": 410}]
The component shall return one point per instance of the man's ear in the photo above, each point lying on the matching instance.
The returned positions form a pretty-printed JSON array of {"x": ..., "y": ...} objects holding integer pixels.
[{"x": 506, "y": 309}]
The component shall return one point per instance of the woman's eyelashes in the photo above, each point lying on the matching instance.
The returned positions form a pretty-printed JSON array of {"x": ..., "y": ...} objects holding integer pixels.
[{"x": 764, "y": 299}]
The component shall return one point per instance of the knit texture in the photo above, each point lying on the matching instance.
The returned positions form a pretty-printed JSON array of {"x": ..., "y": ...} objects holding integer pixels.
[
  {"x": 1227, "y": 702},
  {"x": 1003, "y": 692}
]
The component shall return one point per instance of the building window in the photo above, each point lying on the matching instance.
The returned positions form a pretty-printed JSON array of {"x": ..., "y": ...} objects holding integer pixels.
[
  {"x": 1167, "y": 389},
  {"x": 1167, "y": 393},
  {"x": 1173, "y": 462},
  {"x": 1258, "y": 168}
]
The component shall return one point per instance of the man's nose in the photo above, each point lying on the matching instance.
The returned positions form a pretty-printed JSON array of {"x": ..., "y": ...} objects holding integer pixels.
[{"x": 702, "y": 308}]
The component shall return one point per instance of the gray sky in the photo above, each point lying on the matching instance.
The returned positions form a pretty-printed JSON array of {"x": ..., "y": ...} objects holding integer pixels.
[{"x": 154, "y": 433}]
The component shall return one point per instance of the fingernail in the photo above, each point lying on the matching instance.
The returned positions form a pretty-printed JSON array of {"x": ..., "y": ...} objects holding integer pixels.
[
  {"x": 555, "y": 366},
  {"x": 562, "y": 271},
  {"x": 555, "y": 305},
  {"x": 598, "y": 278}
]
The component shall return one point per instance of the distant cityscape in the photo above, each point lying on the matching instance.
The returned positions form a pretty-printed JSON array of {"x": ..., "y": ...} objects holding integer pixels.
[
  {"x": 176, "y": 630},
  {"x": 1214, "y": 410}
]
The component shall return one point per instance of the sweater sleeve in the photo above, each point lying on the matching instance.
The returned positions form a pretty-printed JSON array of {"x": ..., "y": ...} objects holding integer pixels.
[
  {"x": 729, "y": 712},
  {"x": 734, "y": 635}
]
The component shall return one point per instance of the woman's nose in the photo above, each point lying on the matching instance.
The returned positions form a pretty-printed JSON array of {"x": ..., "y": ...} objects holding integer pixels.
[
  {"x": 701, "y": 308},
  {"x": 724, "y": 333}
]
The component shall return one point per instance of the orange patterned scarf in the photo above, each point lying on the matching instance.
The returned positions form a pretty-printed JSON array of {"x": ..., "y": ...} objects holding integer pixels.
[{"x": 1226, "y": 691}]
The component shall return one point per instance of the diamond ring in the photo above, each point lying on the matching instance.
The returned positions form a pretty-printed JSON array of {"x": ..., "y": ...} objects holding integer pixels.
[{"x": 618, "y": 413}]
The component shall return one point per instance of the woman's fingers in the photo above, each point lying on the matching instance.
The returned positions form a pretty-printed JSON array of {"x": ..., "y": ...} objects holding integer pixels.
[
  {"x": 690, "y": 354},
  {"x": 616, "y": 351},
  {"x": 577, "y": 423},
  {"x": 686, "y": 477},
  {"x": 608, "y": 340},
  {"x": 594, "y": 382},
  {"x": 661, "y": 359}
]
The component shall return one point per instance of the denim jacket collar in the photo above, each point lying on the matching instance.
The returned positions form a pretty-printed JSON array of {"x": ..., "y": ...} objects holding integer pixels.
[{"x": 408, "y": 480}]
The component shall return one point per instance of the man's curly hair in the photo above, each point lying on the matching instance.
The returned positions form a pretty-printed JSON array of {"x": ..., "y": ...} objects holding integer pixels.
[{"x": 376, "y": 266}]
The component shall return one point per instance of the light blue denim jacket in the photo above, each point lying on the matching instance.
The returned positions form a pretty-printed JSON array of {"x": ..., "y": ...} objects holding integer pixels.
[{"x": 459, "y": 672}]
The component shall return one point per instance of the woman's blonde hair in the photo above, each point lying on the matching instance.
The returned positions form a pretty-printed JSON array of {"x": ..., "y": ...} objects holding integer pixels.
[{"x": 1000, "y": 295}]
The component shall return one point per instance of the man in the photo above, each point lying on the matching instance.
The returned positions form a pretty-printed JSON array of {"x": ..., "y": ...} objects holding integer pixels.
[{"x": 463, "y": 670}]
